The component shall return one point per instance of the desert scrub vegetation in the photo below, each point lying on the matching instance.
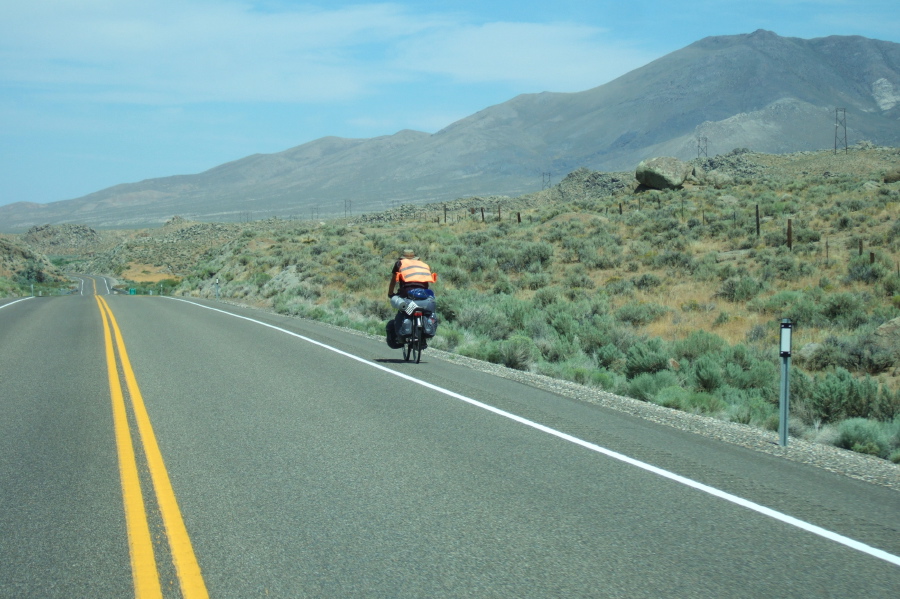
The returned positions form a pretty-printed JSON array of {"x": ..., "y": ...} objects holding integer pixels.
[
  {"x": 32, "y": 277},
  {"x": 8, "y": 288},
  {"x": 162, "y": 287},
  {"x": 878, "y": 438},
  {"x": 672, "y": 297}
]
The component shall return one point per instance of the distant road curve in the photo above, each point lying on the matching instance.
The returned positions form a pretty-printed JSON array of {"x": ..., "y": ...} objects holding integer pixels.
[{"x": 94, "y": 284}]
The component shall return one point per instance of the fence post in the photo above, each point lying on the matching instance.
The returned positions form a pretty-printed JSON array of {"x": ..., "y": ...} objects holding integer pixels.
[
  {"x": 790, "y": 234},
  {"x": 757, "y": 220}
]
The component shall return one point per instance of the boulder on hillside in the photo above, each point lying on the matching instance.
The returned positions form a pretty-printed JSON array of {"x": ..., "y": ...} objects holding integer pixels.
[
  {"x": 718, "y": 179},
  {"x": 664, "y": 172},
  {"x": 697, "y": 174},
  {"x": 871, "y": 186}
]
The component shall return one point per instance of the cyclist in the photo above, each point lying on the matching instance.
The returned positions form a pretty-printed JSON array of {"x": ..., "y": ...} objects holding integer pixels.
[{"x": 408, "y": 273}]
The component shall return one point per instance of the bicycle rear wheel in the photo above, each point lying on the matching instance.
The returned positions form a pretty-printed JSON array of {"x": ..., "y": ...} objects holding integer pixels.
[{"x": 416, "y": 341}]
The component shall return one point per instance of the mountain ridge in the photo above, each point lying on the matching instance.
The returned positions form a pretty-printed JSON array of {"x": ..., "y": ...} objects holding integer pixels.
[{"x": 757, "y": 90}]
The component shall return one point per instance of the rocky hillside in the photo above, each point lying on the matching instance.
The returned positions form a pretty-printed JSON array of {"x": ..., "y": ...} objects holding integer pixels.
[
  {"x": 759, "y": 91},
  {"x": 68, "y": 239},
  {"x": 20, "y": 263},
  {"x": 170, "y": 252}
]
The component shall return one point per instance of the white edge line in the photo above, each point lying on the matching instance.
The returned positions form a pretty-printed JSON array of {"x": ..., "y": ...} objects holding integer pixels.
[
  {"x": 22, "y": 300},
  {"x": 81, "y": 287},
  {"x": 761, "y": 509}
]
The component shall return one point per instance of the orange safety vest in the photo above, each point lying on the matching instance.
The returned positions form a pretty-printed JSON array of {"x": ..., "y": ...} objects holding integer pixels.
[{"x": 414, "y": 271}]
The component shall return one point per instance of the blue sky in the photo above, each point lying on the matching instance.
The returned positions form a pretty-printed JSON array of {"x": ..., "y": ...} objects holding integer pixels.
[{"x": 94, "y": 93}]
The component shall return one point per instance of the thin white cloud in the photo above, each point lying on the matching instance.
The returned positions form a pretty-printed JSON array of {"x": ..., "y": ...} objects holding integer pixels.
[
  {"x": 171, "y": 52},
  {"x": 201, "y": 51}
]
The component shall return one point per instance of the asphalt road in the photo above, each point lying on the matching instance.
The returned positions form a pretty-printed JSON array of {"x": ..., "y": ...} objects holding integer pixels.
[{"x": 309, "y": 462}]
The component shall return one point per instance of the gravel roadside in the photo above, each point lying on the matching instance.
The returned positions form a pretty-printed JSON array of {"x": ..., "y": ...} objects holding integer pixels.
[{"x": 855, "y": 465}]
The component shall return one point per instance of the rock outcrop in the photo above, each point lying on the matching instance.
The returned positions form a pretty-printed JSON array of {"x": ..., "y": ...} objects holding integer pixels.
[
  {"x": 718, "y": 179},
  {"x": 21, "y": 262},
  {"x": 664, "y": 172}
]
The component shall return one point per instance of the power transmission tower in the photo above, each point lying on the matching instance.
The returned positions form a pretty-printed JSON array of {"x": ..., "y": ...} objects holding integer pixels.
[
  {"x": 545, "y": 181},
  {"x": 702, "y": 143},
  {"x": 840, "y": 129},
  {"x": 347, "y": 207}
]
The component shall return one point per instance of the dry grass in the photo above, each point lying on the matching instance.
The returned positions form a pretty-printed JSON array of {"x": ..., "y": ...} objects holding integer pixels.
[
  {"x": 146, "y": 273},
  {"x": 695, "y": 307}
]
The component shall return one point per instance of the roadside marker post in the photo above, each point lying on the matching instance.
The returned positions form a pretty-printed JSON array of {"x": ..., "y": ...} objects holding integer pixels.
[{"x": 785, "y": 395}]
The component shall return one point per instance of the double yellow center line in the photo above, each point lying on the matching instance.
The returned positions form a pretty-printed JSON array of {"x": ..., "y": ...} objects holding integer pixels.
[{"x": 143, "y": 560}]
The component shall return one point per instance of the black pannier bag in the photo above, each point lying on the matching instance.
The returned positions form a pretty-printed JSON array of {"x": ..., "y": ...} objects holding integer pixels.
[{"x": 391, "y": 331}]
